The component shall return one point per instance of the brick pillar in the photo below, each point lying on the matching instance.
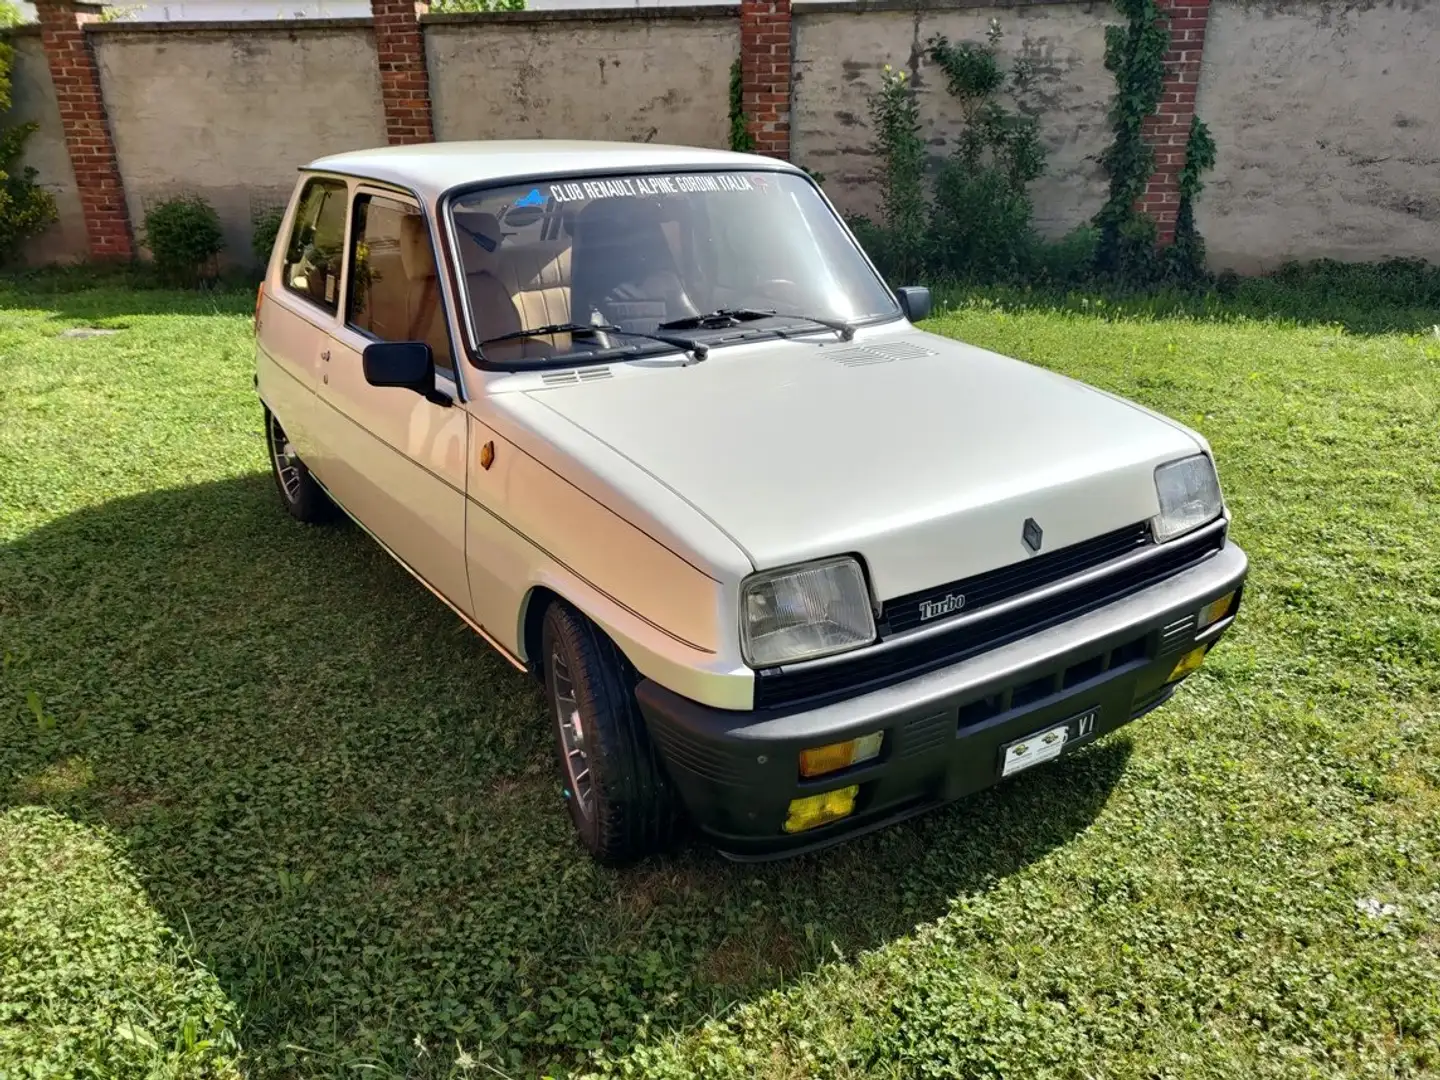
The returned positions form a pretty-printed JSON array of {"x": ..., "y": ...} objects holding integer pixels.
[
  {"x": 1169, "y": 129},
  {"x": 765, "y": 74},
  {"x": 404, "y": 78},
  {"x": 87, "y": 130}
]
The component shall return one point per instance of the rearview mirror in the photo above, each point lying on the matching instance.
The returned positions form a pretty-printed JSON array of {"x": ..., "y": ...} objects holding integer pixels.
[
  {"x": 914, "y": 302},
  {"x": 406, "y": 364}
]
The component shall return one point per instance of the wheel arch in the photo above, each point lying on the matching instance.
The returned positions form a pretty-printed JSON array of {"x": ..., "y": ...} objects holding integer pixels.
[{"x": 532, "y": 625}]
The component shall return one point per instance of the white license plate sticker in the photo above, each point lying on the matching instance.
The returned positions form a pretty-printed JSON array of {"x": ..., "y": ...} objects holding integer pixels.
[{"x": 1033, "y": 749}]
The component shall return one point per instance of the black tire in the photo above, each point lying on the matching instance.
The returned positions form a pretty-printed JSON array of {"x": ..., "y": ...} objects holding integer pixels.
[
  {"x": 302, "y": 497},
  {"x": 631, "y": 810}
]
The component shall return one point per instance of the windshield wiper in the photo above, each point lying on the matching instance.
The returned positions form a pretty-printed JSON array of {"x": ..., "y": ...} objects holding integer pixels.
[
  {"x": 730, "y": 316},
  {"x": 698, "y": 349}
]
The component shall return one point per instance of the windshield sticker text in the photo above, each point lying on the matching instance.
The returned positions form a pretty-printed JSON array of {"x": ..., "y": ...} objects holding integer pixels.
[{"x": 635, "y": 187}]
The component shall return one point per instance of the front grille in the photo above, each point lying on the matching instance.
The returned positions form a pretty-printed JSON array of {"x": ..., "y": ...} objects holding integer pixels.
[
  {"x": 904, "y": 613},
  {"x": 872, "y": 669}
]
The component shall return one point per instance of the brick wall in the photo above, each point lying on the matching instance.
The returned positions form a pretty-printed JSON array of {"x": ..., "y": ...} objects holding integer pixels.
[
  {"x": 87, "y": 131},
  {"x": 1321, "y": 110},
  {"x": 404, "y": 77},
  {"x": 765, "y": 74},
  {"x": 1169, "y": 129}
]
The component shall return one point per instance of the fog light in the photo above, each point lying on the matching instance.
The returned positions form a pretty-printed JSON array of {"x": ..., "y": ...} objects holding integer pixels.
[
  {"x": 815, "y": 810},
  {"x": 819, "y": 760},
  {"x": 1187, "y": 663},
  {"x": 1214, "y": 611}
]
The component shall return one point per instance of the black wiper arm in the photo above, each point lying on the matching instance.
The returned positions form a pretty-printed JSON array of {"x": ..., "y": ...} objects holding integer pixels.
[
  {"x": 538, "y": 331},
  {"x": 697, "y": 348},
  {"x": 729, "y": 316}
]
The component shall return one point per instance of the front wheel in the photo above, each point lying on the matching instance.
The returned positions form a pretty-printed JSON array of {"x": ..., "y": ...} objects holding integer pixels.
[
  {"x": 620, "y": 799},
  {"x": 301, "y": 495}
]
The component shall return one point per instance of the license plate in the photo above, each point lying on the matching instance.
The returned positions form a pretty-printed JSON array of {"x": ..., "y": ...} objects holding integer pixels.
[{"x": 1044, "y": 745}]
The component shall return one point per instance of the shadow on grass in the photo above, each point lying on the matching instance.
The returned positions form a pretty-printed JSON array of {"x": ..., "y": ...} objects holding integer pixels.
[{"x": 348, "y": 804}]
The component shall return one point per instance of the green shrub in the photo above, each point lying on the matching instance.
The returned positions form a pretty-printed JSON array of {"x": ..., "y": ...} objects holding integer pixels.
[
  {"x": 25, "y": 207},
  {"x": 183, "y": 234},
  {"x": 899, "y": 237},
  {"x": 448, "y": 6},
  {"x": 979, "y": 223},
  {"x": 1066, "y": 261},
  {"x": 265, "y": 227},
  {"x": 975, "y": 223}
]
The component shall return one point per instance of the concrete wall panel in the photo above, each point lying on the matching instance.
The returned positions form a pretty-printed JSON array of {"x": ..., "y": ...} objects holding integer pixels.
[
  {"x": 1326, "y": 118},
  {"x": 639, "y": 76},
  {"x": 231, "y": 114}
]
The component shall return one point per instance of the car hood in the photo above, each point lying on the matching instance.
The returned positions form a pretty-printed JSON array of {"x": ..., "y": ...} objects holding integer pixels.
[{"x": 922, "y": 455}]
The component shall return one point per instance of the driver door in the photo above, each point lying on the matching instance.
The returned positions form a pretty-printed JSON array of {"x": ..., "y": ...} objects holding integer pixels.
[{"x": 399, "y": 457}]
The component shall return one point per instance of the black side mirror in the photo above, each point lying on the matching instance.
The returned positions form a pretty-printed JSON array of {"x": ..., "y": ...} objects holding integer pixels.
[
  {"x": 406, "y": 364},
  {"x": 914, "y": 302}
]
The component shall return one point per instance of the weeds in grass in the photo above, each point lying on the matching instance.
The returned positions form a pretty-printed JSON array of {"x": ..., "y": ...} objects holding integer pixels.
[{"x": 287, "y": 799}]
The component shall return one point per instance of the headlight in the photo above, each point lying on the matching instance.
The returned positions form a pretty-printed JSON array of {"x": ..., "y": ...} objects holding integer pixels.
[
  {"x": 1189, "y": 494},
  {"x": 805, "y": 612}
]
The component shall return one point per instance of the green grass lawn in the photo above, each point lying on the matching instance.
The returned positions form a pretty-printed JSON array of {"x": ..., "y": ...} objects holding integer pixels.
[{"x": 268, "y": 809}]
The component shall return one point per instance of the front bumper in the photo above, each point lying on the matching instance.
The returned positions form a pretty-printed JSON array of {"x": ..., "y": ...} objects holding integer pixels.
[{"x": 737, "y": 772}]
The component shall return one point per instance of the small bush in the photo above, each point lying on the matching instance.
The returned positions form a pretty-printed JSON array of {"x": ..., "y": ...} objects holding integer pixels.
[
  {"x": 1066, "y": 261},
  {"x": 974, "y": 222},
  {"x": 264, "y": 229},
  {"x": 979, "y": 224},
  {"x": 898, "y": 242},
  {"x": 26, "y": 208},
  {"x": 184, "y": 236}
]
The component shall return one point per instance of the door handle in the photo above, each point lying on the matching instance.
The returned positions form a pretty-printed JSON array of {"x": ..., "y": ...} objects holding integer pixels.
[{"x": 325, "y": 356}]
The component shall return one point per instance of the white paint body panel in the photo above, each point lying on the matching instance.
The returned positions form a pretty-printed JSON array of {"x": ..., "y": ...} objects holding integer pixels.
[
  {"x": 926, "y": 467},
  {"x": 646, "y": 497}
]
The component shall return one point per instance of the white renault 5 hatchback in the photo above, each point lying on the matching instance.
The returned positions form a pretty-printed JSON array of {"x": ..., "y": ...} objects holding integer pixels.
[{"x": 650, "y": 422}]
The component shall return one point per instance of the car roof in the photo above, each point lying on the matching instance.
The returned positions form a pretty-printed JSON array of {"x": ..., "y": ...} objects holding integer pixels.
[{"x": 430, "y": 169}]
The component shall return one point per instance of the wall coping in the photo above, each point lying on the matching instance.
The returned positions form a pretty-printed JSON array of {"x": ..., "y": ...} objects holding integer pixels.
[
  {"x": 230, "y": 26},
  {"x": 859, "y": 7},
  {"x": 29, "y": 29},
  {"x": 689, "y": 12}
]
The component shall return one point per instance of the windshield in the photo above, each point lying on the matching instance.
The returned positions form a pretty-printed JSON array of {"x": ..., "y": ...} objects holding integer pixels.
[{"x": 723, "y": 256}]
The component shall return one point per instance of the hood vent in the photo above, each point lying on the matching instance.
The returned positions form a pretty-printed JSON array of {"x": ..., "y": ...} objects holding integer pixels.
[
  {"x": 881, "y": 352},
  {"x": 570, "y": 378}
]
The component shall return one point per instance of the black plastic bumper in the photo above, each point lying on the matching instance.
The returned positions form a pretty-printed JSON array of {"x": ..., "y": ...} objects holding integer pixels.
[{"x": 944, "y": 731}]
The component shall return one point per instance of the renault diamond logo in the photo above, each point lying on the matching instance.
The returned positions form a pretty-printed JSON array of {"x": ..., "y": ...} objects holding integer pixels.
[
  {"x": 933, "y": 609},
  {"x": 1032, "y": 534}
]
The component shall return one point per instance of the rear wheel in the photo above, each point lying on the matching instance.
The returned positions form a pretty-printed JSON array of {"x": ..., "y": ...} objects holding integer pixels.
[
  {"x": 301, "y": 495},
  {"x": 620, "y": 799}
]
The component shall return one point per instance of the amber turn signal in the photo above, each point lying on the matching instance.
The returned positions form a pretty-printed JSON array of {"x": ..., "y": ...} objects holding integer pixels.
[
  {"x": 1214, "y": 611},
  {"x": 819, "y": 760}
]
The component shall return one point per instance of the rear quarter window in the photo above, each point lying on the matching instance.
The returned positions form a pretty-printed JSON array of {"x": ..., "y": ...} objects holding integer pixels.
[{"x": 315, "y": 248}]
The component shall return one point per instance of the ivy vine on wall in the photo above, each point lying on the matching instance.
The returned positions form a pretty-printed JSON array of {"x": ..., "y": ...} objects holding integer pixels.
[
  {"x": 1135, "y": 53},
  {"x": 740, "y": 138}
]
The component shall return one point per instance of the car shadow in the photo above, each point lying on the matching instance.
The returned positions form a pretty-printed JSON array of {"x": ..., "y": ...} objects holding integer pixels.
[{"x": 348, "y": 806}]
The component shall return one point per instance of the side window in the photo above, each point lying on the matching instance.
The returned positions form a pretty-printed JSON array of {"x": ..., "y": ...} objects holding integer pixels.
[
  {"x": 317, "y": 239},
  {"x": 394, "y": 291}
]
